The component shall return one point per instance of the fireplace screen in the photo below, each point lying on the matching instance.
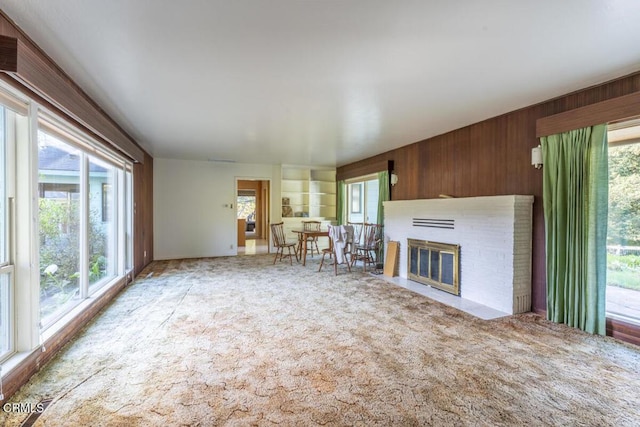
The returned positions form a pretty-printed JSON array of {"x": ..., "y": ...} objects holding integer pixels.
[{"x": 435, "y": 264}]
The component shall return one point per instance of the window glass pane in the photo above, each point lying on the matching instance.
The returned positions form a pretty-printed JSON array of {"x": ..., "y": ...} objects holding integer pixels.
[
  {"x": 59, "y": 213},
  {"x": 424, "y": 262},
  {"x": 355, "y": 208},
  {"x": 9, "y": 121},
  {"x": 5, "y": 314},
  {"x": 128, "y": 221},
  {"x": 434, "y": 273},
  {"x": 362, "y": 201},
  {"x": 247, "y": 207},
  {"x": 102, "y": 223},
  {"x": 4, "y": 232},
  {"x": 447, "y": 268},
  {"x": 413, "y": 265},
  {"x": 372, "y": 201},
  {"x": 623, "y": 235}
]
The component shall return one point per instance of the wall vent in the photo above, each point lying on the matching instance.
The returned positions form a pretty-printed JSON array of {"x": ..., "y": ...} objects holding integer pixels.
[{"x": 434, "y": 223}]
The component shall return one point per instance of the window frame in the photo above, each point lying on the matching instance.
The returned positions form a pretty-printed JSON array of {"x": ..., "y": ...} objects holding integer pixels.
[
  {"x": 90, "y": 149},
  {"x": 14, "y": 109},
  {"x": 363, "y": 182},
  {"x": 614, "y": 143}
]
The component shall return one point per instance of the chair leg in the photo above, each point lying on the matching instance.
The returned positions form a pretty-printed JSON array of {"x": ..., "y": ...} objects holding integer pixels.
[
  {"x": 322, "y": 261},
  {"x": 276, "y": 257},
  {"x": 290, "y": 257}
]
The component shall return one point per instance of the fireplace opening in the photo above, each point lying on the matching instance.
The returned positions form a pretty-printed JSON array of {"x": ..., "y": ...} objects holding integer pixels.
[{"x": 435, "y": 264}]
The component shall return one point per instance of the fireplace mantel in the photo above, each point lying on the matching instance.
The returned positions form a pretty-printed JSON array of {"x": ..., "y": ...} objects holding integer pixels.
[{"x": 494, "y": 234}]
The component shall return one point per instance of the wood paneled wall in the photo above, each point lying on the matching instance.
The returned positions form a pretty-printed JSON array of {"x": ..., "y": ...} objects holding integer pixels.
[
  {"x": 142, "y": 214},
  {"x": 492, "y": 157}
]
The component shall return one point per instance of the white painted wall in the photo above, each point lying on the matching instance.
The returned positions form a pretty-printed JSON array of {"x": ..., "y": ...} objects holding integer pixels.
[{"x": 192, "y": 203}]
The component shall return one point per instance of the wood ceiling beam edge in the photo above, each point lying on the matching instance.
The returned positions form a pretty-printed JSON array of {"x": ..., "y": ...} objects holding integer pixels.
[
  {"x": 34, "y": 70},
  {"x": 622, "y": 107}
]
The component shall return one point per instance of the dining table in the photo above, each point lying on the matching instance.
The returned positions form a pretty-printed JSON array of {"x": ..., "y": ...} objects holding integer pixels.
[{"x": 303, "y": 235}]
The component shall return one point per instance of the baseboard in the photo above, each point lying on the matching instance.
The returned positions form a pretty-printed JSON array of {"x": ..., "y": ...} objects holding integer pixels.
[{"x": 623, "y": 331}]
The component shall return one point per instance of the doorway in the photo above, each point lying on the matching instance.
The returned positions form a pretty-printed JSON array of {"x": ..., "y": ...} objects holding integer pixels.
[{"x": 252, "y": 201}]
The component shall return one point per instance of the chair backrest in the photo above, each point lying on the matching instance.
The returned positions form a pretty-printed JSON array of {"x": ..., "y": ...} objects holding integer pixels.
[
  {"x": 357, "y": 231},
  {"x": 277, "y": 233},
  {"x": 346, "y": 247},
  {"x": 371, "y": 235},
  {"x": 311, "y": 225}
]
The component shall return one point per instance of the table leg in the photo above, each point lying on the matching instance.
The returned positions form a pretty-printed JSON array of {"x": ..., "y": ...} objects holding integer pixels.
[
  {"x": 299, "y": 247},
  {"x": 304, "y": 243}
]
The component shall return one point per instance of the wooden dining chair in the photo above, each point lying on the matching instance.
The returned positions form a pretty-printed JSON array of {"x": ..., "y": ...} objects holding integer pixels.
[
  {"x": 339, "y": 247},
  {"x": 367, "y": 250},
  {"x": 357, "y": 235},
  {"x": 311, "y": 241},
  {"x": 280, "y": 243}
]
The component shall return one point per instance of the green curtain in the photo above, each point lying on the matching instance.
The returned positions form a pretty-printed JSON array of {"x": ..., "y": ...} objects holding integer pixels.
[
  {"x": 383, "y": 196},
  {"x": 575, "y": 198},
  {"x": 341, "y": 202}
]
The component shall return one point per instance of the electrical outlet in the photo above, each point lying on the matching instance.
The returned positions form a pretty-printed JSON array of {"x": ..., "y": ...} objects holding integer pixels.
[
  {"x": 145, "y": 254},
  {"x": 230, "y": 246}
]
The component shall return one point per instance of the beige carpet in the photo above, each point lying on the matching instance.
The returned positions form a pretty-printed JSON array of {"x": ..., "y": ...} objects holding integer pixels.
[{"x": 238, "y": 341}]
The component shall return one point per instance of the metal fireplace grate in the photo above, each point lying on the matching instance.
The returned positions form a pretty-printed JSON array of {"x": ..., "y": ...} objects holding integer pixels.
[{"x": 435, "y": 264}]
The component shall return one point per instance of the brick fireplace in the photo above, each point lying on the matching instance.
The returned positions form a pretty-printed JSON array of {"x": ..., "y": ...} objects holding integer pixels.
[{"x": 494, "y": 239}]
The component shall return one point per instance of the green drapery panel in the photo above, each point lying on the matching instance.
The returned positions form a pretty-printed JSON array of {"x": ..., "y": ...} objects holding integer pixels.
[
  {"x": 575, "y": 196},
  {"x": 383, "y": 196},
  {"x": 341, "y": 202}
]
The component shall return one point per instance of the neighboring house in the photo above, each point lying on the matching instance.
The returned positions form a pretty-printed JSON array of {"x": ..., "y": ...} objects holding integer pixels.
[{"x": 58, "y": 179}]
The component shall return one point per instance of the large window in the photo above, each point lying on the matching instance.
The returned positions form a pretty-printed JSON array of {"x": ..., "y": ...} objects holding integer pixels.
[
  {"x": 12, "y": 117},
  {"x": 84, "y": 218},
  {"x": 127, "y": 201},
  {"x": 623, "y": 236},
  {"x": 5, "y": 266},
  {"x": 66, "y": 221},
  {"x": 102, "y": 224},
  {"x": 362, "y": 200},
  {"x": 59, "y": 172}
]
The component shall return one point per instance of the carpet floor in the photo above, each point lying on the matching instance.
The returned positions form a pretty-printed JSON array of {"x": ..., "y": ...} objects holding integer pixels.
[{"x": 238, "y": 341}]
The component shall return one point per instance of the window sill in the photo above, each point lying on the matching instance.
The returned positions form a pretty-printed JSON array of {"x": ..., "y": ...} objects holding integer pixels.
[{"x": 78, "y": 309}]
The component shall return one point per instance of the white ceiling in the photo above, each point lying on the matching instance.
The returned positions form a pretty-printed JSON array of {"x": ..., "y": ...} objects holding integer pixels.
[{"x": 323, "y": 82}]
